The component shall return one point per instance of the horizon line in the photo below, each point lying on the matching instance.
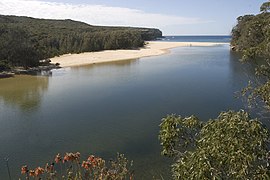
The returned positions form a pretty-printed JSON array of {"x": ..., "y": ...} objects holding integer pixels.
[{"x": 197, "y": 35}]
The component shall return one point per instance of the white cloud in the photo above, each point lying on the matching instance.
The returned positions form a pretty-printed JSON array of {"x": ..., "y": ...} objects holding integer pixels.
[{"x": 92, "y": 14}]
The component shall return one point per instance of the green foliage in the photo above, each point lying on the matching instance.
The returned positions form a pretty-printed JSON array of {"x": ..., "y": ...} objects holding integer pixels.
[
  {"x": 257, "y": 94},
  {"x": 24, "y": 41},
  {"x": 16, "y": 48},
  {"x": 4, "y": 65},
  {"x": 251, "y": 36},
  {"x": 229, "y": 147},
  {"x": 177, "y": 134},
  {"x": 265, "y": 7},
  {"x": 250, "y": 31}
]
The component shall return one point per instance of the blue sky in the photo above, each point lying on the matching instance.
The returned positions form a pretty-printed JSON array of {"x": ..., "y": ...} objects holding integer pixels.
[{"x": 173, "y": 17}]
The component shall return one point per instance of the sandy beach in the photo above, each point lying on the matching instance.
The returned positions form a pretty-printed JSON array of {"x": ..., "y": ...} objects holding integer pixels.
[{"x": 153, "y": 48}]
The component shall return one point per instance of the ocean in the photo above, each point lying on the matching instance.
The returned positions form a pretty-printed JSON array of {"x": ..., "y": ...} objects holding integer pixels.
[{"x": 219, "y": 39}]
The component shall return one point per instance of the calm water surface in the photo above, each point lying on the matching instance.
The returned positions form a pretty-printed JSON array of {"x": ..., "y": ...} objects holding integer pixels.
[{"x": 103, "y": 109}]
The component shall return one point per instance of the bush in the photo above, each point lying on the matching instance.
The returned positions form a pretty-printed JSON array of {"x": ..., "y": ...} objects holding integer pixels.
[
  {"x": 70, "y": 167},
  {"x": 4, "y": 66},
  {"x": 233, "y": 146}
]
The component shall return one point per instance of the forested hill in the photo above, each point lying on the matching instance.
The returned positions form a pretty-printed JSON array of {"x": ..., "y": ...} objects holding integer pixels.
[
  {"x": 25, "y": 40},
  {"x": 251, "y": 35}
]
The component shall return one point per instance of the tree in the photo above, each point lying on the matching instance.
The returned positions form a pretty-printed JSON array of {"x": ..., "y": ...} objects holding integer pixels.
[
  {"x": 17, "y": 48},
  {"x": 233, "y": 146},
  {"x": 251, "y": 36},
  {"x": 4, "y": 65},
  {"x": 265, "y": 7}
]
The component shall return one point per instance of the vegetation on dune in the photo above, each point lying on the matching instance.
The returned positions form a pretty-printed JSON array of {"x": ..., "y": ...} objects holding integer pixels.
[{"x": 24, "y": 41}]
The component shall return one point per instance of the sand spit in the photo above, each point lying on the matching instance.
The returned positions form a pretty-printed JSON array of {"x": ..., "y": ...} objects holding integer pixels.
[{"x": 153, "y": 48}]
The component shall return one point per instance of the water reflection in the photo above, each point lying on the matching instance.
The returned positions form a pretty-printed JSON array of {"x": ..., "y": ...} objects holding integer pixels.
[
  {"x": 240, "y": 69},
  {"x": 24, "y": 92},
  {"x": 122, "y": 63},
  {"x": 244, "y": 72}
]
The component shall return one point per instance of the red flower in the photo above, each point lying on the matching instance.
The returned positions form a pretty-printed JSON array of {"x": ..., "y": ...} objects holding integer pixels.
[
  {"x": 39, "y": 171},
  {"x": 32, "y": 173},
  {"x": 57, "y": 158},
  {"x": 86, "y": 165},
  {"x": 91, "y": 158},
  {"x": 71, "y": 156},
  {"x": 67, "y": 157},
  {"x": 49, "y": 168},
  {"x": 24, "y": 169}
]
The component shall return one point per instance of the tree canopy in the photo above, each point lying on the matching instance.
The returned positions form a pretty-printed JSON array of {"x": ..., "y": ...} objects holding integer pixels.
[
  {"x": 265, "y": 7},
  {"x": 232, "y": 146},
  {"x": 251, "y": 36}
]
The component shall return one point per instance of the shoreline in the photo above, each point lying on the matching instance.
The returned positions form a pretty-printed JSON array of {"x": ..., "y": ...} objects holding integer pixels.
[{"x": 152, "y": 48}]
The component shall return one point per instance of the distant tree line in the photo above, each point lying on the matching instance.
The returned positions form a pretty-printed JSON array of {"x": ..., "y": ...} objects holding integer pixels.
[{"x": 24, "y": 41}]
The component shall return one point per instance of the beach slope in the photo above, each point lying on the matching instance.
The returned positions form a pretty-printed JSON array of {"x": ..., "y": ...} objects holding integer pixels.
[{"x": 152, "y": 48}]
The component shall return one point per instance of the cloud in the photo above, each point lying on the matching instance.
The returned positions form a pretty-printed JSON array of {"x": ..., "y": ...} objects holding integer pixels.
[{"x": 92, "y": 14}]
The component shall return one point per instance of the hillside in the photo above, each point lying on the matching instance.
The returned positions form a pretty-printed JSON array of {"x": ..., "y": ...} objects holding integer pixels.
[
  {"x": 252, "y": 35},
  {"x": 25, "y": 40}
]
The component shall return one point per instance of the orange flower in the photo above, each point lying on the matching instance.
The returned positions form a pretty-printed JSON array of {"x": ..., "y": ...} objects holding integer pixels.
[
  {"x": 57, "y": 158},
  {"x": 95, "y": 161},
  {"x": 77, "y": 155},
  {"x": 91, "y": 158},
  {"x": 24, "y": 169},
  {"x": 86, "y": 165},
  {"x": 49, "y": 168},
  {"x": 66, "y": 157},
  {"x": 32, "y": 173},
  {"x": 71, "y": 156},
  {"x": 39, "y": 171}
]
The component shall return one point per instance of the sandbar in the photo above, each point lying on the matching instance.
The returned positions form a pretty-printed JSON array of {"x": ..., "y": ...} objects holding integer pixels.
[{"x": 152, "y": 48}]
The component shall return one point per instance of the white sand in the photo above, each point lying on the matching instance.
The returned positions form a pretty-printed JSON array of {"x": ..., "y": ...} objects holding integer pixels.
[{"x": 153, "y": 48}]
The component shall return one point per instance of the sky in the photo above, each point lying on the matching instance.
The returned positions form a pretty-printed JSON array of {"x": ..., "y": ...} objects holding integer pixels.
[{"x": 173, "y": 17}]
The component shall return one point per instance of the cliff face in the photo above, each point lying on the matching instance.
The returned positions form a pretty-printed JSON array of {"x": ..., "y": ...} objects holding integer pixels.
[{"x": 151, "y": 34}]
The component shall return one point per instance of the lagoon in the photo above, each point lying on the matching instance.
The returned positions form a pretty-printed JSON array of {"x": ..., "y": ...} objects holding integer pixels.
[{"x": 115, "y": 107}]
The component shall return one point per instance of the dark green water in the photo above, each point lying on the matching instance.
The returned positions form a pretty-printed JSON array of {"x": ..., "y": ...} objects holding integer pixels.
[{"x": 103, "y": 109}]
